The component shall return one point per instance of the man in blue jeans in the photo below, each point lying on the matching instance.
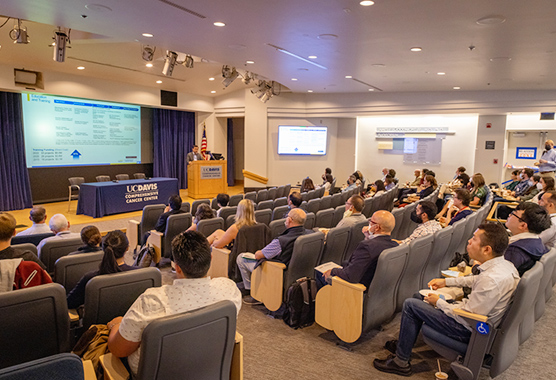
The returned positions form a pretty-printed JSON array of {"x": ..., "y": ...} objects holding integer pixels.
[{"x": 491, "y": 293}]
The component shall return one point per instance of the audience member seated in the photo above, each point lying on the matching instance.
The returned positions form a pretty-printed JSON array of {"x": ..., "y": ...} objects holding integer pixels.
[
  {"x": 392, "y": 174},
  {"x": 423, "y": 215},
  {"x": 222, "y": 201},
  {"x": 90, "y": 236},
  {"x": 548, "y": 202},
  {"x": 308, "y": 185},
  {"x": 245, "y": 216},
  {"x": 375, "y": 189},
  {"x": 459, "y": 209},
  {"x": 327, "y": 172},
  {"x": 203, "y": 212},
  {"x": 462, "y": 176},
  {"x": 20, "y": 274},
  {"x": 533, "y": 189},
  {"x": 384, "y": 174},
  {"x": 190, "y": 291},
  {"x": 352, "y": 215},
  {"x": 173, "y": 208},
  {"x": 279, "y": 249},
  {"x": 478, "y": 190},
  {"x": 525, "y": 182},
  {"x": 362, "y": 264},
  {"x": 428, "y": 187},
  {"x": 491, "y": 294},
  {"x": 38, "y": 216},
  {"x": 294, "y": 201},
  {"x": 60, "y": 226},
  {"x": 515, "y": 180},
  {"x": 389, "y": 183},
  {"x": 114, "y": 245},
  {"x": 7, "y": 231},
  {"x": 526, "y": 247},
  {"x": 460, "y": 180},
  {"x": 546, "y": 184},
  {"x": 358, "y": 177},
  {"x": 350, "y": 184},
  {"x": 416, "y": 181},
  {"x": 327, "y": 182}
]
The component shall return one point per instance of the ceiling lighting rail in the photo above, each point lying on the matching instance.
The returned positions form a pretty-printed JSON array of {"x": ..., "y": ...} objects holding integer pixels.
[
  {"x": 19, "y": 33},
  {"x": 61, "y": 41},
  {"x": 366, "y": 84},
  {"x": 282, "y": 50}
]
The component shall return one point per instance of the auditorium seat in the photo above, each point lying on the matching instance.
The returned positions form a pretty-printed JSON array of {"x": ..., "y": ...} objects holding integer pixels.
[
  {"x": 103, "y": 178},
  {"x": 208, "y": 226},
  {"x": 279, "y": 212},
  {"x": 338, "y": 215},
  {"x": 25, "y": 247},
  {"x": 287, "y": 190},
  {"x": 54, "y": 249},
  {"x": 110, "y": 295},
  {"x": 324, "y": 218},
  {"x": 263, "y": 216},
  {"x": 139, "y": 176},
  {"x": 235, "y": 199},
  {"x": 325, "y": 202},
  {"x": 230, "y": 219},
  {"x": 439, "y": 249},
  {"x": 34, "y": 239},
  {"x": 227, "y": 211},
  {"x": 398, "y": 217},
  {"x": 309, "y": 221},
  {"x": 280, "y": 202},
  {"x": 262, "y": 195},
  {"x": 162, "y": 242},
  {"x": 367, "y": 205},
  {"x": 500, "y": 343},
  {"x": 74, "y": 183},
  {"x": 337, "y": 200},
  {"x": 64, "y": 366},
  {"x": 277, "y": 227},
  {"x": 212, "y": 328},
  {"x": 335, "y": 246},
  {"x": 271, "y": 280},
  {"x": 350, "y": 310},
  {"x": 214, "y": 204},
  {"x": 69, "y": 269},
  {"x": 252, "y": 195},
  {"x": 272, "y": 193},
  {"x": 356, "y": 237},
  {"x": 122, "y": 177},
  {"x": 196, "y": 204},
  {"x": 136, "y": 230},
  {"x": 263, "y": 205},
  {"x": 313, "y": 205},
  {"x": 185, "y": 207},
  {"x": 36, "y": 324}
]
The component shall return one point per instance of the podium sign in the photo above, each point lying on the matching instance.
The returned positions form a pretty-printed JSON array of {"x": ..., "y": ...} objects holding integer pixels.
[{"x": 205, "y": 179}]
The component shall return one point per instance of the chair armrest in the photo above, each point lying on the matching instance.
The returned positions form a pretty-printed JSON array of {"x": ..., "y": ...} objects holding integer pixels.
[
  {"x": 236, "y": 370},
  {"x": 219, "y": 262},
  {"x": 156, "y": 240},
  {"x": 132, "y": 233},
  {"x": 337, "y": 281},
  {"x": 73, "y": 315},
  {"x": 473, "y": 316},
  {"x": 113, "y": 368},
  {"x": 88, "y": 370},
  {"x": 267, "y": 284}
]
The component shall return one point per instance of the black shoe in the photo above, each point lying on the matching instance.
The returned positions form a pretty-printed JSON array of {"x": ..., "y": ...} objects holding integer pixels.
[
  {"x": 251, "y": 301},
  {"x": 388, "y": 365},
  {"x": 391, "y": 346}
]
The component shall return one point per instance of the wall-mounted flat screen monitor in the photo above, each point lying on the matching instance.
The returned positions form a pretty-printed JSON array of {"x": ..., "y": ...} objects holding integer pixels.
[
  {"x": 302, "y": 140},
  {"x": 62, "y": 131}
]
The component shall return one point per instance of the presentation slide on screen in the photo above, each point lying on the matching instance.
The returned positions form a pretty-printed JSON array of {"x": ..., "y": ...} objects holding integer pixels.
[
  {"x": 61, "y": 131},
  {"x": 302, "y": 140}
]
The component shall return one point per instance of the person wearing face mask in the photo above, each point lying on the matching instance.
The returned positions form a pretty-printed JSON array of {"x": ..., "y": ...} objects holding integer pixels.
[
  {"x": 547, "y": 163},
  {"x": 352, "y": 215},
  {"x": 524, "y": 185},
  {"x": 534, "y": 188},
  {"x": 423, "y": 215},
  {"x": 362, "y": 264}
]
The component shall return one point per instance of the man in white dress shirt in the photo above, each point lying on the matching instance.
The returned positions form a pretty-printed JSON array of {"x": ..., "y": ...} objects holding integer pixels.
[{"x": 38, "y": 216}]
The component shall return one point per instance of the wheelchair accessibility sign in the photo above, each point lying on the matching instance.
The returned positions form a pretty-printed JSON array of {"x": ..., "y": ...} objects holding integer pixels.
[{"x": 482, "y": 328}]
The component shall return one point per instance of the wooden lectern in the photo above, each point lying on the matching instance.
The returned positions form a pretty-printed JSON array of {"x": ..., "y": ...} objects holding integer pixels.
[{"x": 206, "y": 179}]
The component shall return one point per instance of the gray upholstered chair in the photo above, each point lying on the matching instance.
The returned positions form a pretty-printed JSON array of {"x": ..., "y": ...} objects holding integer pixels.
[
  {"x": 324, "y": 218},
  {"x": 326, "y": 202},
  {"x": 548, "y": 289},
  {"x": 337, "y": 200},
  {"x": 196, "y": 204},
  {"x": 398, "y": 217},
  {"x": 208, "y": 226},
  {"x": 356, "y": 237},
  {"x": 162, "y": 242},
  {"x": 25, "y": 247},
  {"x": 419, "y": 251},
  {"x": 336, "y": 244},
  {"x": 34, "y": 239},
  {"x": 68, "y": 270},
  {"x": 64, "y": 366},
  {"x": 103, "y": 178},
  {"x": 548, "y": 260},
  {"x": 122, "y": 177},
  {"x": 272, "y": 193},
  {"x": 367, "y": 207},
  {"x": 279, "y": 212},
  {"x": 230, "y": 219},
  {"x": 252, "y": 195},
  {"x": 268, "y": 204},
  {"x": 468, "y": 232},
  {"x": 408, "y": 225},
  {"x": 139, "y": 176},
  {"x": 338, "y": 215},
  {"x": 439, "y": 249},
  {"x": 313, "y": 205},
  {"x": 110, "y": 295},
  {"x": 277, "y": 227},
  {"x": 235, "y": 199},
  {"x": 73, "y": 188},
  {"x": 287, "y": 190},
  {"x": 136, "y": 230},
  {"x": 501, "y": 343},
  {"x": 263, "y": 216},
  {"x": 283, "y": 201},
  {"x": 54, "y": 249},
  {"x": 36, "y": 324},
  {"x": 457, "y": 236},
  {"x": 280, "y": 192},
  {"x": 227, "y": 211},
  {"x": 310, "y": 221},
  {"x": 262, "y": 195},
  {"x": 212, "y": 328},
  {"x": 185, "y": 207},
  {"x": 214, "y": 204}
]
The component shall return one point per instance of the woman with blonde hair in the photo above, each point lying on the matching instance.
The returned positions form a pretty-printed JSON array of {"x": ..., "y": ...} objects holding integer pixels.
[{"x": 245, "y": 216}]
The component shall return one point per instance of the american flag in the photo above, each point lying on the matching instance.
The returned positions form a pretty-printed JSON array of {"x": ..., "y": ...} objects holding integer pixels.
[{"x": 204, "y": 142}]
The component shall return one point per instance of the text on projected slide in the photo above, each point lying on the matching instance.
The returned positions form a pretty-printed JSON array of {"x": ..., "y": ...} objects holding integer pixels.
[{"x": 62, "y": 131}]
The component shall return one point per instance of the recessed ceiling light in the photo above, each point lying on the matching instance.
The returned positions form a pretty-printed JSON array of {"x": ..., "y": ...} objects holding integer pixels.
[
  {"x": 147, "y": 35},
  {"x": 440, "y": 73},
  {"x": 98, "y": 8},
  {"x": 219, "y": 23},
  {"x": 213, "y": 92},
  {"x": 371, "y": 89},
  {"x": 250, "y": 62},
  {"x": 378, "y": 65},
  {"x": 80, "y": 67},
  {"x": 491, "y": 20},
  {"x": 416, "y": 48},
  {"x": 211, "y": 78},
  {"x": 348, "y": 77},
  {"x": 158, "y": 81},
  {"x": 500, "y": 59},
  {"x": 457, "y": 88},
  {"x": 149, "y": 65},
  {"x": 327, "y": 37},
  {"x": 312, "y": 57},
  {"x": 294, "y": 79},
  {"x": 366, "y": 3},
  {"x": 309, "y": 90}
]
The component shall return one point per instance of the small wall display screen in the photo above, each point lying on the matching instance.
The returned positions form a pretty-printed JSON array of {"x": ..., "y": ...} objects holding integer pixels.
[
  {"x": 61, "y": 131},
  {"x": 302, "y": 140}
]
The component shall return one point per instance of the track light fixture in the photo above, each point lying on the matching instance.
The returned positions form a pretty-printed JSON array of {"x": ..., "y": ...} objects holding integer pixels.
[
  {"x": 61, "y": 38},
  {"x": 188, "y": 62},
  {"x": 19, "y": 34},
  {"x": 264, "y": 90},
  {"x": 147, "y": 52},
  {"x": 248, "y": 77},
  {"x": 169, "y": 63},
  {"x": 229, "y": 74}
]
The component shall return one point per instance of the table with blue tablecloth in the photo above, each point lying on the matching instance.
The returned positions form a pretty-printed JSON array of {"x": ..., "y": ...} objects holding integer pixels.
[{"x": 98, "y": 199}]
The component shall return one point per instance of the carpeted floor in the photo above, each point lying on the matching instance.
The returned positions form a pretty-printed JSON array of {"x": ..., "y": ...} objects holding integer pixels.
[{"x": 272, "y": 350}]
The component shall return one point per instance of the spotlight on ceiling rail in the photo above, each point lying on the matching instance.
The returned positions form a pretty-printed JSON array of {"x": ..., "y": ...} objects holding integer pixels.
[
  {"x": 147, "y": 53},
  {"x": 229, "y": 74},
  {"x": 169, "y": 63},
  {"x": 19, "y": 33},
  {"x": 61, "y": 39}
]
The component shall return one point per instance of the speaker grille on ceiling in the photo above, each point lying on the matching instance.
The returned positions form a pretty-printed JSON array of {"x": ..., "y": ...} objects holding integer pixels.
[{"x": 182, "y": 8}]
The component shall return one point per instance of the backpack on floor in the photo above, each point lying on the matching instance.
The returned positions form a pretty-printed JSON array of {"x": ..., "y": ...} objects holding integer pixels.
[
  {"x": 144, "y": 257},
  {"x": 300, "y": 303}
]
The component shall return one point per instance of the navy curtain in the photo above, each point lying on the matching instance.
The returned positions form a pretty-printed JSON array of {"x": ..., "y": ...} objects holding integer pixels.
[
  {"x": 14, "y": 178},
  {"x": 174, "y": 136},
  {"x": 230, "y": 153}
]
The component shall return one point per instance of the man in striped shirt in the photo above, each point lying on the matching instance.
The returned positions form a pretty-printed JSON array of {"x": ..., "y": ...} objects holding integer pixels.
[{"x": 424, "y": 215}]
